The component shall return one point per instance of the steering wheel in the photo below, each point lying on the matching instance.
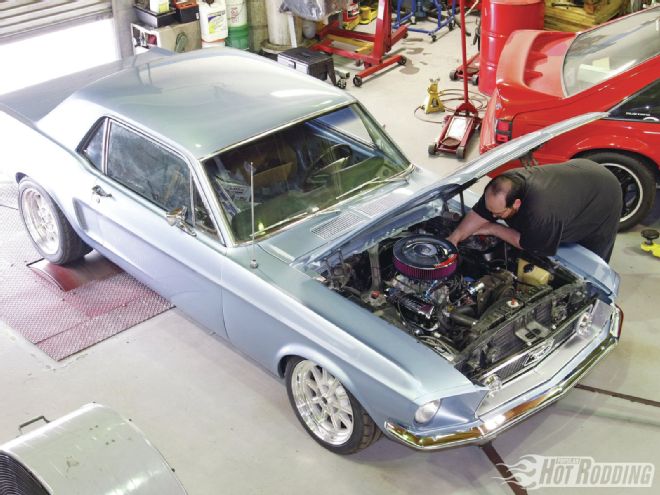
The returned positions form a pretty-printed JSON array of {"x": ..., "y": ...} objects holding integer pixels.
[{"x": 337, "y": 153}]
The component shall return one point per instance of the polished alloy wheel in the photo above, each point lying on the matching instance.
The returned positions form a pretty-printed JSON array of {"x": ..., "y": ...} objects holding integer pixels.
[
  {"x": 322, "y": 402},
  {"x": 40, "y": 221},
  {"x": 631, "y": 189}
]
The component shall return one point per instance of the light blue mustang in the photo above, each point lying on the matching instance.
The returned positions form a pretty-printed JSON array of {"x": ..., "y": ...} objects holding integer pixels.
[{"x": 274, "y": 210}]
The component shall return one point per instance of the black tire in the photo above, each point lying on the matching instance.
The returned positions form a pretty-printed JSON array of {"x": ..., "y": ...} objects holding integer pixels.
[
  {"x": 434, "y": 38},
  {"x": 364, "y": 431},
  {"x": 402, "y": 61},
  {"x": 453, "y": 75},
  {"x": 432, "y": 149},
  {"x": 475, "y": 80},
  {"x": 50, "y": 231},
  {"x": 637, "y": 184},
  {"x": 357, "y": 81},
  {"x": 460, "y": 152}
]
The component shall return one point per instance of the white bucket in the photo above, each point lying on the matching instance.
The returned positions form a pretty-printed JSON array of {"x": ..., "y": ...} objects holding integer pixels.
[
  {"x": 213, "y": 20},
  {"x": 213, "y": 44},
  {"x": 236, "y": 13}
]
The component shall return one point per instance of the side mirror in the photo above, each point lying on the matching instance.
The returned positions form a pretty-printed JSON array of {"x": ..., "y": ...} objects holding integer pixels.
[{"x": 177, "y": 218}]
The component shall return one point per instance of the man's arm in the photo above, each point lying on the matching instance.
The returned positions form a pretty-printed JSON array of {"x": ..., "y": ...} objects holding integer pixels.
[
  {"x": 471, "y": 223},
  {"x": 507, "y": 234}
]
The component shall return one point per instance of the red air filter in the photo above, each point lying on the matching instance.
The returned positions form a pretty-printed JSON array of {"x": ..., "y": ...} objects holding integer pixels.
[{"x": 424, "y": 257}]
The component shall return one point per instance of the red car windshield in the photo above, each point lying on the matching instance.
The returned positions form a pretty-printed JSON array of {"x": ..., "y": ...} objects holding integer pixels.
[{"x": 604, "y": 52}]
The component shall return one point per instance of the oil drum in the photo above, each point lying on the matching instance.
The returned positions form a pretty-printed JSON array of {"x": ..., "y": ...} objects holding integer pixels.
[{"x": 499, "y": 18}]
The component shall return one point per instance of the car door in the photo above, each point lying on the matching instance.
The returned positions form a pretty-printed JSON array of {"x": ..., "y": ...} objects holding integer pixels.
[{"x": 152, "y": 216}]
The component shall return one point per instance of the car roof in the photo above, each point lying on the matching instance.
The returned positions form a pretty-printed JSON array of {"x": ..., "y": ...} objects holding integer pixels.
[{"x": 203, "y": 100}]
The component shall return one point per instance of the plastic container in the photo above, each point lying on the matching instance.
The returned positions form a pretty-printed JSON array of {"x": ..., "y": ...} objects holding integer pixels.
[
  {"x": 499, "y": 18},
  {"x": 239, "y": 37},
  {"x": 213, "y": 21},
  {"x": 529, "y": 273},
  {"x": 237, "y": 13},
  {"x": 159, "y": 6}
]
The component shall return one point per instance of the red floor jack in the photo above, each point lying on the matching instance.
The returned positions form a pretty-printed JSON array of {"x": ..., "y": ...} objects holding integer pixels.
[
  {"x": 370, "y": 48},
  {"x": 458, "y": 127},
  {"x": 472, "y": 71}
]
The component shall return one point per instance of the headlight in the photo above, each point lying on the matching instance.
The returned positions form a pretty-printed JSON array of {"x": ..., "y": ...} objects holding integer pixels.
[
  {"x": 584, "y": 328},
  {"x": 425, "y": 413}
]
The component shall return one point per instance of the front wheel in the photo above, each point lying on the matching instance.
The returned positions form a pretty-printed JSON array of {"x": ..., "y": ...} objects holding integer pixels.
[
  {"x": 50, "y": 231},
  {"x": 637, "y": 185},
  {"x": 327, "y": 410}
]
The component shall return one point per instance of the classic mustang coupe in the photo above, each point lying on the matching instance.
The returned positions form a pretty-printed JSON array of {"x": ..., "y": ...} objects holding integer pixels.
[{"x": 272, "y": 208}]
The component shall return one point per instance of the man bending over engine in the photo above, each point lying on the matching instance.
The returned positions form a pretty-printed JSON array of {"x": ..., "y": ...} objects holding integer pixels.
[{"x": 577, "y": 201}]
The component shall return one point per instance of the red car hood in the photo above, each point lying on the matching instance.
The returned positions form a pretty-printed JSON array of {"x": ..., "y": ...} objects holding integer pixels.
[{"x": 530, "y": 69}]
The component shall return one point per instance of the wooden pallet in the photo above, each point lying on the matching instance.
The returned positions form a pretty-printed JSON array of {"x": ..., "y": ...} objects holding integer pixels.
[{"x": 573, "y": 18}]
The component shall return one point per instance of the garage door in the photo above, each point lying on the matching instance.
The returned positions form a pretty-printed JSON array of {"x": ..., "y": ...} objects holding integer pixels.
[{"x": 25, "y": 18}]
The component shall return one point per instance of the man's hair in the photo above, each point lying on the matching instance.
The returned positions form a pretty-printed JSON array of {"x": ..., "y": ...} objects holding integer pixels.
[{"x": 506, "y": 184}]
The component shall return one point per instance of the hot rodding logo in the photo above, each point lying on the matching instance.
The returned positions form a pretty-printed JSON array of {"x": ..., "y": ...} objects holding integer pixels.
[{"x": 537, "y": 471}]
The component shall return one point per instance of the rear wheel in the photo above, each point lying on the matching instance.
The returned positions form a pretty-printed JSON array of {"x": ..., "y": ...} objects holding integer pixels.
[
  {"x": 637, "y": 184},
  {"x": 50, "y": 231},
  {"x": 327, "y": 410}
]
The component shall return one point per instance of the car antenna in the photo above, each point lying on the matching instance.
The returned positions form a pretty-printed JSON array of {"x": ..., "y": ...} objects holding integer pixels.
[{"x": 250, "y": 167}]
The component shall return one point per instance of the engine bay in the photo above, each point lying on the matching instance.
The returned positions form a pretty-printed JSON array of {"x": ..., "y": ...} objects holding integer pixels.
[{"x": 483, "y": 305}]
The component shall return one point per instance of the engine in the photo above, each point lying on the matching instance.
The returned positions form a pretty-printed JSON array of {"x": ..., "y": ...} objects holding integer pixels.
[{"x": 476, "y": 305}]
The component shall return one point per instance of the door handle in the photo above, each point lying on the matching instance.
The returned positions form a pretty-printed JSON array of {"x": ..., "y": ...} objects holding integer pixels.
[{"x": 98, "y": 192}]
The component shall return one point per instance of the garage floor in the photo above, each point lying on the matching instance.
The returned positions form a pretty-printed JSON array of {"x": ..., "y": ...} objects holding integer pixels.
[{"x": 225, "y": 425}]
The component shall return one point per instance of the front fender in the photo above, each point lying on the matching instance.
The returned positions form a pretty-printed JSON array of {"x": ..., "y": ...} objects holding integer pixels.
[{"x": 590, "y": 266}]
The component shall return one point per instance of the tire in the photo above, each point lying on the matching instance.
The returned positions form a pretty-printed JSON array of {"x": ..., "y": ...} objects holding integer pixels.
[
  {"x": 308, "y": 386},
  {"x": 402, "y": 61},
  {"x": 357, "y": 81},
  {"x": 50, "y": 231},
  {"x": 475, "y": 80},
  {"x": 637, "y": 184},
  {"x": 453, "y": 75}
]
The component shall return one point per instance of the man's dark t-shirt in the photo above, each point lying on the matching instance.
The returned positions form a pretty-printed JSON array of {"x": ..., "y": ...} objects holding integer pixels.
[{"x": 577, "y": 201}]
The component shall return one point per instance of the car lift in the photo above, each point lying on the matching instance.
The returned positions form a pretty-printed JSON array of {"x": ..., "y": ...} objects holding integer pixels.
[
  {"x": 417, "y": 13},
  {"x": 370, "y": 48},
  {"x": 648, "y": 245},
  {"x": 458, "y": 128}
]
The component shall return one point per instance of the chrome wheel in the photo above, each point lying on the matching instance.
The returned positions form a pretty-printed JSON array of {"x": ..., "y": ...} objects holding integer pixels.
[
  {"x": 40, "y": 221},
  {"x": 631, "y": 189},
  {"x": 322, "y": 402}
]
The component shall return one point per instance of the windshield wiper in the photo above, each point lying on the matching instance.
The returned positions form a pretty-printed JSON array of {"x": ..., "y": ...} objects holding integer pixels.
[{"x": 380, "y": 180}]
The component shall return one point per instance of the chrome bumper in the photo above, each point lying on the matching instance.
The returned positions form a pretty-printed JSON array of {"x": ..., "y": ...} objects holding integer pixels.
[{"x": 491, "y": 427}]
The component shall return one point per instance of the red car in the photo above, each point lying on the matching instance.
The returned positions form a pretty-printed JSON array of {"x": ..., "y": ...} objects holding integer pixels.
[{"x": 547, "y": 76}]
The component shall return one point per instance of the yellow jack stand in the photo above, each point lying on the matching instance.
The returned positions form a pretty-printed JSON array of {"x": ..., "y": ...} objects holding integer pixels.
[
  {"x": 432, "y": 101},
  {"x": 367, "y": 14},
  {"x": 648, "y": 245}
]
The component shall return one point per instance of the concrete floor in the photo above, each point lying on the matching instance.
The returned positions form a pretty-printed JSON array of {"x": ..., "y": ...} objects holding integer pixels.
[{"x": 226, "y": 426}]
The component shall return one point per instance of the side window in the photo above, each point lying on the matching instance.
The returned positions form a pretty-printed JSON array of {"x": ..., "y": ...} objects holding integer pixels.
[
  {"x": 645, "y": 105},
  {"x": 147, "y": 169},
  {"x": 93, "y": 150}
]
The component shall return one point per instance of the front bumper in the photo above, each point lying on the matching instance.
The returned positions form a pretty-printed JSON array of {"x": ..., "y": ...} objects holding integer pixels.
[{"x": 492, "y": 424}]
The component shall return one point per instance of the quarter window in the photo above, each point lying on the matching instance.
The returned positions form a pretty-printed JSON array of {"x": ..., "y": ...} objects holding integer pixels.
[
  {"x": 148, "y": 169},
  {"x": 645, "y": 105},
  {"x": 93, "y": 151}
]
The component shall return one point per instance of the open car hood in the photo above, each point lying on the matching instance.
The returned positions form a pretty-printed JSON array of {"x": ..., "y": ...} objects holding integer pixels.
[
  {"x": 299, "y": 243},
  {"x": 517, "y": 148}
]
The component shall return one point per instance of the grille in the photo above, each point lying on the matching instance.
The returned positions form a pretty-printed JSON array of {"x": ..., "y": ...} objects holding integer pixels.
[
  {"x": 16, "y": 479},
  {"x": 379, "y": 205},
  {"x": 512, "y": 367},
  {"x": 336, "y": 226}
]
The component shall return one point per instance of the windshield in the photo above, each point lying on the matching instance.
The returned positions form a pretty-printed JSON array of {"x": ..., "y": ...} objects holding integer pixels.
[
  {"x": 302, "y": 169},
  {"x": 604, "y": 52}
]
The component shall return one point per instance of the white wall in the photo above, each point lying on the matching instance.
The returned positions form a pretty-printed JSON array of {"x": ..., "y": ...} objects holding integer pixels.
[{"x": 38, "y": 59}]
